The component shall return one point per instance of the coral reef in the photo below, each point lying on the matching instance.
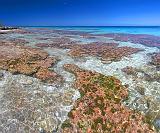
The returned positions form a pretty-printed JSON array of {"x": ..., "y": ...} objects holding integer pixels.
[
  {"x": 99, "y": 109},
  {"x": 148, "y": 40},
  {"x": 106, "y": 51},
  {"x": 28, "y": 61},
  {"x": 95, "y": 49},
  {"x": 117, "y": 53},
  {"x": 28, "y": 105},
  {"x": 58, "y": 42}
]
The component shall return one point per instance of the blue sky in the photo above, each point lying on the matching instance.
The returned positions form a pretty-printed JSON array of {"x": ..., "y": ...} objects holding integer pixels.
[{"x": 80, "y": 12}]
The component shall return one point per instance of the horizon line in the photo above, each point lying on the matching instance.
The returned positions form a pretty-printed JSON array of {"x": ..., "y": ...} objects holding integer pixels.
[{"x": 87, "y": 26}]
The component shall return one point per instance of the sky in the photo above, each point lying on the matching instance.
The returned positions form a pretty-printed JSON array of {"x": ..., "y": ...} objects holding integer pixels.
[{"x": 80, "y": 12}]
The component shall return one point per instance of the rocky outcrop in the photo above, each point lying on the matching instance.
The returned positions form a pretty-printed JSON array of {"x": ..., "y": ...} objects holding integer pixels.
[{"x": 100, "y": 109}]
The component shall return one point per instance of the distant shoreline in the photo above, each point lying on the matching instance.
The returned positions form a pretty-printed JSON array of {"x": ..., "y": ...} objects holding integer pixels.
[{"x": 7, "y": 28}]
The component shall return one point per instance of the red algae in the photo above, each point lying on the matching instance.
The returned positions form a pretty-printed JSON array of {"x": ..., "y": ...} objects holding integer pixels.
[
  {"x": 27, "y": 60},
  {"x": 99, "y": 110},
  {"x": 148, "y": 40},
  {"x": 106, "y": 51},
  {"x": 117, "y": 53},
  {"x": 91, "y": 49}
]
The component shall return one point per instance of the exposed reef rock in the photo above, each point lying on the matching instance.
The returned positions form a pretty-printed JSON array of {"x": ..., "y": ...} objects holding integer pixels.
[
  {"x": 117, "y": 53},
  {"x": 95, "y": 49},
  {"x": 99, "y": 109},
  {"x": 28, "y": 61},
  {"x": 106, "y": 51},
  {"x": 29, "y": 105},
  {"x": 148, "y": 40}
]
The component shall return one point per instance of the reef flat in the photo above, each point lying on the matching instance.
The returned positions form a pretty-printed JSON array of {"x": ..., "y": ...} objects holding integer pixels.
[
  {"x": 148, "y": 40},
  {"x": 99, "y": 109},
  {"x": 58, "y": 80}
]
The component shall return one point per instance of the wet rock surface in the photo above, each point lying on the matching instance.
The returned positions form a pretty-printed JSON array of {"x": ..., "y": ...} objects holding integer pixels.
[
  {"x": 100, "y": 108},
  {"x": 28, "y": 61},
  {"x": 28, "y": 105},
  {"x": 146, "y": 82},
  {"x": 148, "y": 40},
  {"x": 106, "y": 51},
  {"x": 13, "y": 41},
  {"x": 1, "y": 75},
  {"x": 130, "y": 71}
]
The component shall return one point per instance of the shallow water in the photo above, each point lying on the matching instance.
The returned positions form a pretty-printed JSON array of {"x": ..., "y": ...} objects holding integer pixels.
[
  {"x": 151, "y": 30},
  {"x": 139, "y": 60}
]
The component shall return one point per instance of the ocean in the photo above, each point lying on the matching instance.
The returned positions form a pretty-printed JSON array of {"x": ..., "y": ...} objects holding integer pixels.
[{"x": 150, "y": 30}]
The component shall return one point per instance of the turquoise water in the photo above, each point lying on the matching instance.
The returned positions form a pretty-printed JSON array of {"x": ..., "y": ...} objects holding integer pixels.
[{"x": 151, "y": 30}]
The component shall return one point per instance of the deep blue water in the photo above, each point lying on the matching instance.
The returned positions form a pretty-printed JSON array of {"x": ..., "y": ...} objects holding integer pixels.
[{"x": 152, "y": 30}]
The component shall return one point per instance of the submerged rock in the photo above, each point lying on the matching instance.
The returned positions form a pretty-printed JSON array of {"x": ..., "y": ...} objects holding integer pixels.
[
  {"x": 140, "y": 89},
  {"x": 26, "y": 105},
  {"x": 157, "y": 123},
  {"x": 156, "y": 59},
  {"x": 1, "y": 75},
  {"x": 130, "y": 71},
  {"x": 26, "y": 81}
]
